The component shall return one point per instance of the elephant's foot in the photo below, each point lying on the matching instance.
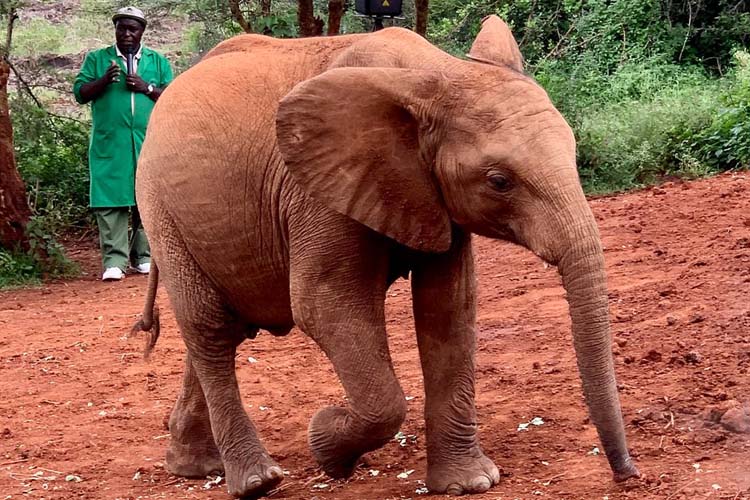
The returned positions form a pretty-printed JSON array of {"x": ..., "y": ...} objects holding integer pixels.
[
  {"x": 192, "y": 450},
  {"x": 193, "y": 460},
  {"x": 625, "y": 471},
  {"x": 329, "y": 445},
  {"x": 474, "y": 473},
  {"x": 253, "y": 478},
  {"x": 335, "y": 444}
]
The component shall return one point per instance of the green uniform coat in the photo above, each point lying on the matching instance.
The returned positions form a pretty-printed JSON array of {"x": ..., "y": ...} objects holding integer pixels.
[{"x": 117, "y": 133}]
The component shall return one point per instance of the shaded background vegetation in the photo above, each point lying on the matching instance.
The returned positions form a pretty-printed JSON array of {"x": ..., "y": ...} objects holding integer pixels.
[{"x": 652, "y": 88}]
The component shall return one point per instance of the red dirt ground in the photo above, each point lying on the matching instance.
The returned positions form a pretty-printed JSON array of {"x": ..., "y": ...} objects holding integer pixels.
[{"x": 78, "y": 400}]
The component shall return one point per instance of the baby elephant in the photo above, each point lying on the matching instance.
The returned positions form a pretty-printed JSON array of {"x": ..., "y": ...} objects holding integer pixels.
[{"x": 290, "y": 182}]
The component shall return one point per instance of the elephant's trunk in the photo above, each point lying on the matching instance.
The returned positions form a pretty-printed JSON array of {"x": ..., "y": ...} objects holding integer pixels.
[{"x": 581, "y": 266}]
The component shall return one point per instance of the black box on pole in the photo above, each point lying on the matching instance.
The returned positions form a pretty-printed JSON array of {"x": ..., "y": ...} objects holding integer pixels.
[{"x": 386, "y": 8}]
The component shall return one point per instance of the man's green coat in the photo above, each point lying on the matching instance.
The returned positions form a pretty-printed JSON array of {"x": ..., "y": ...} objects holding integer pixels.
[{"x": 118, "y": 129}]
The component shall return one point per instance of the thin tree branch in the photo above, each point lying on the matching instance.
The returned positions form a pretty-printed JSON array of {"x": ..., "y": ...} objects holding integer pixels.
[
  {"x": 556, "y": 50},
  {"x": 690, "y": 27},
  {"x": 528, "y": 21},
  {"x": 60, "y": 89},
  {"x": 24, "y": 84},
  {"x": 64, "y": 117},
  {"x": 12, "y": 17}
]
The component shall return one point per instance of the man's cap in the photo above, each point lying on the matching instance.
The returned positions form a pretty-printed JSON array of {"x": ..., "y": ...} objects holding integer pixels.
[{"x": 130, "y": 13}]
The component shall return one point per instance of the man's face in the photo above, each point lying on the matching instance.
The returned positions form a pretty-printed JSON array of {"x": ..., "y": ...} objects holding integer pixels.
[{"x": 128, "y": 33}]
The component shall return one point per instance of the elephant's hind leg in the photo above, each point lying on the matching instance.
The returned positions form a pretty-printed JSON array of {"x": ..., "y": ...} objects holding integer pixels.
[
  {"x": 212, "y": 334},
  {"x": 192, "y": 451}
]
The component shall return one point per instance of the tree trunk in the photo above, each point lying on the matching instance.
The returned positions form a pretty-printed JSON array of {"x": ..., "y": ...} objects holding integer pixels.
[
  {"x": 234, "y": 7},
  {"x": 265, "y": 8},
  {"x": 14, "y": 209},
  {"x": 308, "y": 24},
  {"x": 335, "y": 11},
  {"x": 423, "y": 10}
]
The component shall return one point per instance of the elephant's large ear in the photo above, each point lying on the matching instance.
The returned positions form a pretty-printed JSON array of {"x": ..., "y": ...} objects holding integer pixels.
[
  {"x": 354, "y": 139},
  {"x": 495, "y": 45}
]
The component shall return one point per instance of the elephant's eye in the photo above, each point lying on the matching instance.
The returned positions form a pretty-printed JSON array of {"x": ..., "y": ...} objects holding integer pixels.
[{"x": 500, "y": 182}]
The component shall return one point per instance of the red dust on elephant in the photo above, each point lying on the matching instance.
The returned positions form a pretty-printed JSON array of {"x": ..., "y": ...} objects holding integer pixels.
[{"x": 290, "y": 182}]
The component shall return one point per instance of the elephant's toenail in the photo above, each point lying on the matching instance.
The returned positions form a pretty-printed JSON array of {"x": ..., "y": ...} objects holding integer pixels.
[
  {"x": 454, "y": 490},
  {"x": 275, "y": 473},
  {"x": 480, "y": 484},
  {"x": 495, "y": 475}
]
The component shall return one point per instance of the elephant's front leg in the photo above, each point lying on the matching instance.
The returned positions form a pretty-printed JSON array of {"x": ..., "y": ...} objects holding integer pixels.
[
  {"x": 338, "y": 300},
  {"x": 443, "y": 288}
]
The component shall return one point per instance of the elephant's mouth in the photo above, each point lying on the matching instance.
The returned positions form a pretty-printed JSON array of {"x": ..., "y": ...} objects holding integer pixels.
[{"x": 502, "y": 231}]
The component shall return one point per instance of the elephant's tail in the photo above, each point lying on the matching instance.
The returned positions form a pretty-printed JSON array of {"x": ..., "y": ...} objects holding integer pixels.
[{"x": 149, "y": 322}]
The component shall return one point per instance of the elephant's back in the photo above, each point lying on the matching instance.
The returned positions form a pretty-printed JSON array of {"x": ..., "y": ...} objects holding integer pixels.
[
  {"x": 216, "y": 120},
  {"x": 203, "y": 134},
  {"x": 210, "y": 161}
]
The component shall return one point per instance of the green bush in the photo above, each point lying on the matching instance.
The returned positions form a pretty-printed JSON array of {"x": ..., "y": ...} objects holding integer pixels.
[
  {"x": 632, "y": 142},
  {"x": 607, "y": 32},
  {"x": 654, "y": 121},
  {"x": 17, "y": 269},
  {"x": 51, "y": 153},
  {"x": 639, "y": 124},
  {"x": 45, "y": 258},
  {"x": 725, "y": 143}
]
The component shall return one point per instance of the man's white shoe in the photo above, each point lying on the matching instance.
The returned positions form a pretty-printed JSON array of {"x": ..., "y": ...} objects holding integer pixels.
[
  {"x": 113, "y": 274},
  {"x": 143, "y": 268}
]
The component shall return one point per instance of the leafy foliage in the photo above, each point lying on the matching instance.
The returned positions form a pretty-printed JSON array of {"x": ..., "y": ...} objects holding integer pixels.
[
  {"x": 726, "y": 142},
  {"x": 212, "y": 21},
  {"x": 44, "y": 259},
  {"x": 605, "y": 33},
  {"x": 635, "y": 141},
  {"x": 652, "y": 88},
  {"x": 52, "y": 157},
  {"x": 636, "y": 79},
  {"x": 17, "y": 268}
]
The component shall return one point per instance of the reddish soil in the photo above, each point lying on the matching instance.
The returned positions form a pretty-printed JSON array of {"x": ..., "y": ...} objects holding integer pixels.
[{"x": 78, "y": 400}]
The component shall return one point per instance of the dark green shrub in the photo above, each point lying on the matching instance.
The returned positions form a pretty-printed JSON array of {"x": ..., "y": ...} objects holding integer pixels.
[
  {"x": 51, "y": 153},
  {"x": 45, "y": 258},
  {"x": 725, "y": 144},
  {"x": 638, "y": 124},
  {"x": 17, "y": 269}
]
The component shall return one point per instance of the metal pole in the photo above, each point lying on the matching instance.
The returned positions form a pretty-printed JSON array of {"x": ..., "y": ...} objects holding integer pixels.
[{"x": 377, "y": 23}]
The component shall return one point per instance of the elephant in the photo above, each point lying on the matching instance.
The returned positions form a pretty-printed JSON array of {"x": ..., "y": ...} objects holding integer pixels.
[{"x": 289, "y": 183}]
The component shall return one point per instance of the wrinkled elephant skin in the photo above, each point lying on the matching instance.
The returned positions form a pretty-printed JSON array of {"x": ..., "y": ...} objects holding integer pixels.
[{"x": 290, "y": 182}]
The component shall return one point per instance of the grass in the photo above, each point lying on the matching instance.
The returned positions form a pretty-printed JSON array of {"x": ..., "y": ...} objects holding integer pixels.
[
  {"x": 36, "y": 37},
  {"x": 87, "y": 29}
]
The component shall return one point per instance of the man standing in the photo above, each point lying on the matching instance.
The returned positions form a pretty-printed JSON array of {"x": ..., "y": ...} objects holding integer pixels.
[{"x": 120, "y": 109}]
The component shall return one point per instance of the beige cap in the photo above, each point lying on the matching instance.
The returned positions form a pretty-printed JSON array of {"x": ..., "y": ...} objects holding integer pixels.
[{"x": 130, "y": 13}]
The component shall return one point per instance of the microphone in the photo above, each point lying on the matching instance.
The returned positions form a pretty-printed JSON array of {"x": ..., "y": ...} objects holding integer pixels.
[{"x": 129, "y": 58}]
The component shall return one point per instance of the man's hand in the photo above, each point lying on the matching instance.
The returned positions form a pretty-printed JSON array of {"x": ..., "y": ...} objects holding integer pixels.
[
  {"x": 135, "y": 83},
  {"x": 92, "y": 90},
  {"x": 112, "y": 75}
]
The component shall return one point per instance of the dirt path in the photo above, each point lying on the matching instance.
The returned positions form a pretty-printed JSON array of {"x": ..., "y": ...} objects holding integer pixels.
[{"x": 78, "y": 400}]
